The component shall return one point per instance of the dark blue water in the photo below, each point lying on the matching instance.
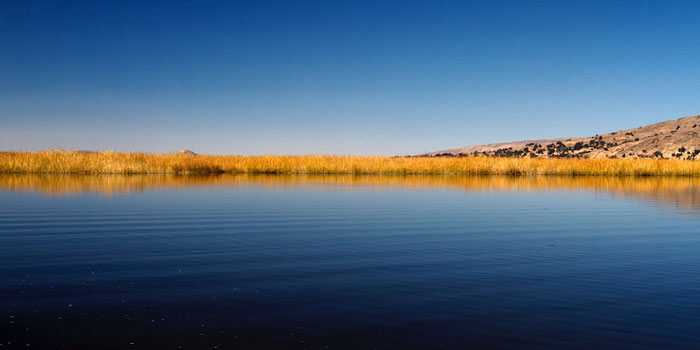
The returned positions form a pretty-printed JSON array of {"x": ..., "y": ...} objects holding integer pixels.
[{"x": 347, "y": 267}]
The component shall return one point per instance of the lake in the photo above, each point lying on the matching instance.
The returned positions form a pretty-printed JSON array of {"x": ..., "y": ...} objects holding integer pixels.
[{"x": 349, "y": 262}]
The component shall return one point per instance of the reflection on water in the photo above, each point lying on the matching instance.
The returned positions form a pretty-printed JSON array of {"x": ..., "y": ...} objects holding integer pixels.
[
  {"x": 680, "y": 192},
  {"x": 348, "y": 262}
]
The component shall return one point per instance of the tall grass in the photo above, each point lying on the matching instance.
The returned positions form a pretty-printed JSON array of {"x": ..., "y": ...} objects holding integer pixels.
[{"x": 70, "y": 162}]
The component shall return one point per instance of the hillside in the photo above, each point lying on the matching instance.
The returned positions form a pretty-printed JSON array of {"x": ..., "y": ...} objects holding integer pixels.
[{"x": 678, "y": 139}]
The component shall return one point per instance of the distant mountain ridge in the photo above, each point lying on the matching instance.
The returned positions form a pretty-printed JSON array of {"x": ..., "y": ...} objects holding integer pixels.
[{"x": 678, "y": 139}]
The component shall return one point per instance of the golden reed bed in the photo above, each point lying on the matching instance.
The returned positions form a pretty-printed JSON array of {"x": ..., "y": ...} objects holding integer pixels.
[{"x": 71, "y": 162}]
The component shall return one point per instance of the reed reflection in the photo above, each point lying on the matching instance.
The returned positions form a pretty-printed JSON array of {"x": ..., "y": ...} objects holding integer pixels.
[{"x": 680, "y": 192}]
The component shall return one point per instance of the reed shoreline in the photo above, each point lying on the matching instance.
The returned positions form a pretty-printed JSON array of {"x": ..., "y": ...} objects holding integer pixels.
[{"x": 75, "y": 162}]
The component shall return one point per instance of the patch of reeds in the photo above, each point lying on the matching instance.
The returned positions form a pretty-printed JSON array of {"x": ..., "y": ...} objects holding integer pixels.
[{"x": 73, "y": 162}]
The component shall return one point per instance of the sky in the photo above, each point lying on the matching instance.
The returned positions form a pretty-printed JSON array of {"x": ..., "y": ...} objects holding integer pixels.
[{"x": 338, "y": 77}]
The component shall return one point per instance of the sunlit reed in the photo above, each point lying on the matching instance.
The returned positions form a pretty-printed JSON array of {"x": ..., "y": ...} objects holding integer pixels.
[{"x": 72, "y": 162}]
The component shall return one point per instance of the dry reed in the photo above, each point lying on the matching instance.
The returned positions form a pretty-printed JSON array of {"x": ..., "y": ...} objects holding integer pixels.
[{"x": 72, "y": 162}]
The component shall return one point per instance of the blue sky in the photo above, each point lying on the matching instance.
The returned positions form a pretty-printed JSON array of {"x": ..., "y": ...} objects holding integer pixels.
[{"x": 340, "y": 77}]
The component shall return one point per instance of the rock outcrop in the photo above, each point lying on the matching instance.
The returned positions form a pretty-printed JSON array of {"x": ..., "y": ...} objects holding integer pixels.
[{"x": 187, "y": 152}]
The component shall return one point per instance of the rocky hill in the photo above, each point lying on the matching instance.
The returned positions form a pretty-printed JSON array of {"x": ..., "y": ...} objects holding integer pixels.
[{"x": 678, "y": 139}]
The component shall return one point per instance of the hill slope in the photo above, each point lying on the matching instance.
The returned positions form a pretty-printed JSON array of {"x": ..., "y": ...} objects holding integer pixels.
[{"x": 678, "y": 138}]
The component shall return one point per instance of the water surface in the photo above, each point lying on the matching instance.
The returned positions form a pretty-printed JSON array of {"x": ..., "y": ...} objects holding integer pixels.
[{"x": 342, "y": 262}]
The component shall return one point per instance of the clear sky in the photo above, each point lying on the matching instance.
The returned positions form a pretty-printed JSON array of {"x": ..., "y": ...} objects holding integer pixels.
[{"x": 340, "y": 77}]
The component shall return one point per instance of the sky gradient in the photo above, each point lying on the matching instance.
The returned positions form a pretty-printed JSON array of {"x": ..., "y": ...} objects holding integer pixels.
[{"x": 389, "y": 78}]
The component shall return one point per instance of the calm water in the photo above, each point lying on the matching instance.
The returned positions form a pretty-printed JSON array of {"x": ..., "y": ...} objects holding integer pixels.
[{"x": 348, "y": 263}]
